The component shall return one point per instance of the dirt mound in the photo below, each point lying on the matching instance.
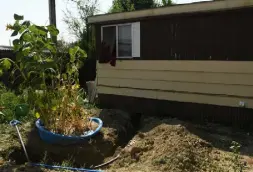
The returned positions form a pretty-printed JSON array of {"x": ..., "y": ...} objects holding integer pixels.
[
  {"x": 172, "y": 145},
  {"x": 161, "y": 145},
  {"x": 117, "y": 125}
]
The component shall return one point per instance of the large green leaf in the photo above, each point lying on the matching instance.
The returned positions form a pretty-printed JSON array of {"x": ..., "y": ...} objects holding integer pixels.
[
  {"x": 82, "y": 53},
  {"x": 19, "y": 56},
  {"x": 22, "y": 29},
  {"x": 72, "y": 53},
  {"x": 1, "y": 114},
  {"x": 6, "y": 64},
  {"x": 38, "y": 30},
  {"x": 30, "y": 73},
  {"x": 64, "y": 76},
  {"x": 26, "y": 51},
  {"x": 42, "y": 30},
  {"x": 27, "y": 37},
  {"x": 16, "y": 45},
  {"x": 50, "y": 70},
  {"x": 16, "y": 26},
  {"x": 22, "y": 35},
  {"x": 18, "y": 17},
  {"x": 15, "y": 33},
  {"x": 15, "y": 42},
  {"x": 26, "y": 23},
  {"x": 53, "y": 30},
  {"x": 50, "y": 48}
]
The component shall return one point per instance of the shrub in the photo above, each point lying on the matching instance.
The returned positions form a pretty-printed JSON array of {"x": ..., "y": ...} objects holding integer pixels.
[{"x": 8, "y": 102}]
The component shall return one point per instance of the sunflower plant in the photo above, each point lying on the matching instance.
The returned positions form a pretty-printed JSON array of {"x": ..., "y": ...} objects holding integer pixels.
[{"x": 49, "y": 78}]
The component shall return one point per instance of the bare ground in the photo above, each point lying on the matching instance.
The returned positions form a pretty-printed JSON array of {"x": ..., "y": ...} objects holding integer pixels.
[
  {"x": 173, "y": 145},
  {"x": 160, "y": 145}
]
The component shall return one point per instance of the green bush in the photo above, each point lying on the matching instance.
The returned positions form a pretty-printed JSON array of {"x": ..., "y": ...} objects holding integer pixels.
[{"x": 8, "y": 102}]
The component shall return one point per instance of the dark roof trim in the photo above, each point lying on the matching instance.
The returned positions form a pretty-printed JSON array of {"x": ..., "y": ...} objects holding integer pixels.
[
  {"x": 175, "y": 9},
  {"x": 6, "y": 48}
]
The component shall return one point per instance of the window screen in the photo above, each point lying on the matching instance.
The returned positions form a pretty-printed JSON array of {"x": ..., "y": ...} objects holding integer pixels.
[{"x": 124, "y": 41}]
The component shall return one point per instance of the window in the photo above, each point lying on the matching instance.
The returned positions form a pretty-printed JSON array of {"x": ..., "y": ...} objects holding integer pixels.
[
  {"x": 122, "y": 40},
  {"x": 125, "y": 41}
]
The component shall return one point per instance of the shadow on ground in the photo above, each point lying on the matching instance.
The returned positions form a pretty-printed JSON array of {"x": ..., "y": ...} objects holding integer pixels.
[{"x": 16, "y": 168}]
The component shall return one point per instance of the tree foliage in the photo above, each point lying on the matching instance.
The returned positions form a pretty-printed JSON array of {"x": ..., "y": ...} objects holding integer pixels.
[
  {"x": 121, "y": 6},
  {"x": 131, "y": 5},
  {"x": 166, "y": 3},
  {"x": 77, "y": 22}
]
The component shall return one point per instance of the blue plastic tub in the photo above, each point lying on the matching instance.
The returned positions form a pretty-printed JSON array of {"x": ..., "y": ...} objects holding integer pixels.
[{"x": 53, "y": 138}]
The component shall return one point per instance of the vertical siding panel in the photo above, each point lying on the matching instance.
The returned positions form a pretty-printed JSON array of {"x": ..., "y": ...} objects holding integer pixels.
[{"x": 223, "y": 35}]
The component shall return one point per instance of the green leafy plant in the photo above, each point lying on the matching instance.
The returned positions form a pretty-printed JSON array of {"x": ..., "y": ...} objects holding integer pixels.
[
  {"x": 8, "y": 102},
  {"x": 49, "y": 78},
  {"x": 238, "y": 166}
]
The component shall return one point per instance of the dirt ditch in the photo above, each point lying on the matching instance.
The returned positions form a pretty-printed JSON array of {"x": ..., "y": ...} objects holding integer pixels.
[
  {"x": 141, "y": 145},
  {"x": 116, "y": 132}
]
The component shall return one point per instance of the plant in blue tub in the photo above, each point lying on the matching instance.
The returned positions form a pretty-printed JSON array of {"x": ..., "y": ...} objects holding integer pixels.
[
  {"x": 49, "y": 78},
  {"x": 63, "y": 111}
]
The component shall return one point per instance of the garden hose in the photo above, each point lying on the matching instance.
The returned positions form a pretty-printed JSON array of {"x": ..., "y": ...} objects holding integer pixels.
[
  {"x": 64, "y": 168},
  {"x": 15, "y": 123}
]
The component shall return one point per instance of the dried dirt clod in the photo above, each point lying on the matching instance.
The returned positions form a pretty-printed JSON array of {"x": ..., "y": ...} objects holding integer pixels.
[
  {"x": 134, "y": 151},
  {"x": 249, "y": 161},
  {"x": 1, "y": 161},
  {"x": 141, "y": 135},
  {"x": 150, "y": 142}
]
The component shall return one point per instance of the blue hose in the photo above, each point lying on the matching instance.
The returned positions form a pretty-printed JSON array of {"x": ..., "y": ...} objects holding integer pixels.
[{"x": 61, "y": 167}]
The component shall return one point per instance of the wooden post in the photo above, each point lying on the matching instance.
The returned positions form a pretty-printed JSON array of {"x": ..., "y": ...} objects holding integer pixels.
[{"x": 52, "y": 16}]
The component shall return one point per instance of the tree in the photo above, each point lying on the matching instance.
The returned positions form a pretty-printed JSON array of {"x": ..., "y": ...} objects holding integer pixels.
[
  {"x": 144, "y": 4},
  {"x": 166, "y": 3},
  {"x": 77, "y": 23},
  {"x": 121, "y": 6},
  {"x": 131, "y": 5}
]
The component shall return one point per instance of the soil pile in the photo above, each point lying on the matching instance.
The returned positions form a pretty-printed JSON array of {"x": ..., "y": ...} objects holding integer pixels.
[
  {"x": 161, "y": 145},
  {"x": 171, "y": 145}
]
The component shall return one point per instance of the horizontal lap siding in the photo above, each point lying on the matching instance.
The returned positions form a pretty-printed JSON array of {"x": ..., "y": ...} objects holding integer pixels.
[
  {"x": 207, "y": 82},
  {"x": 174, "y": 76}
]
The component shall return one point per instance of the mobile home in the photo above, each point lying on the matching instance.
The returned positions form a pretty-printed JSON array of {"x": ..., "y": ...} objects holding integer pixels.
[{"x": 193, "y": 61}]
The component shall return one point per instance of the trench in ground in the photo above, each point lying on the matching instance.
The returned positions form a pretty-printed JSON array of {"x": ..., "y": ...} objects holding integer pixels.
[{"x": 119, "y": 128}]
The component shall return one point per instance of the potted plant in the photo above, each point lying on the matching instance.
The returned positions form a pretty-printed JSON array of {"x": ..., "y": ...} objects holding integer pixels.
[{"x": 49, "y": 79}]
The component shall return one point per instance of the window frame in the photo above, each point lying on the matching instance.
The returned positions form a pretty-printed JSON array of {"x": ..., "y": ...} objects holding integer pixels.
[{"x": 117, "y": 38}]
